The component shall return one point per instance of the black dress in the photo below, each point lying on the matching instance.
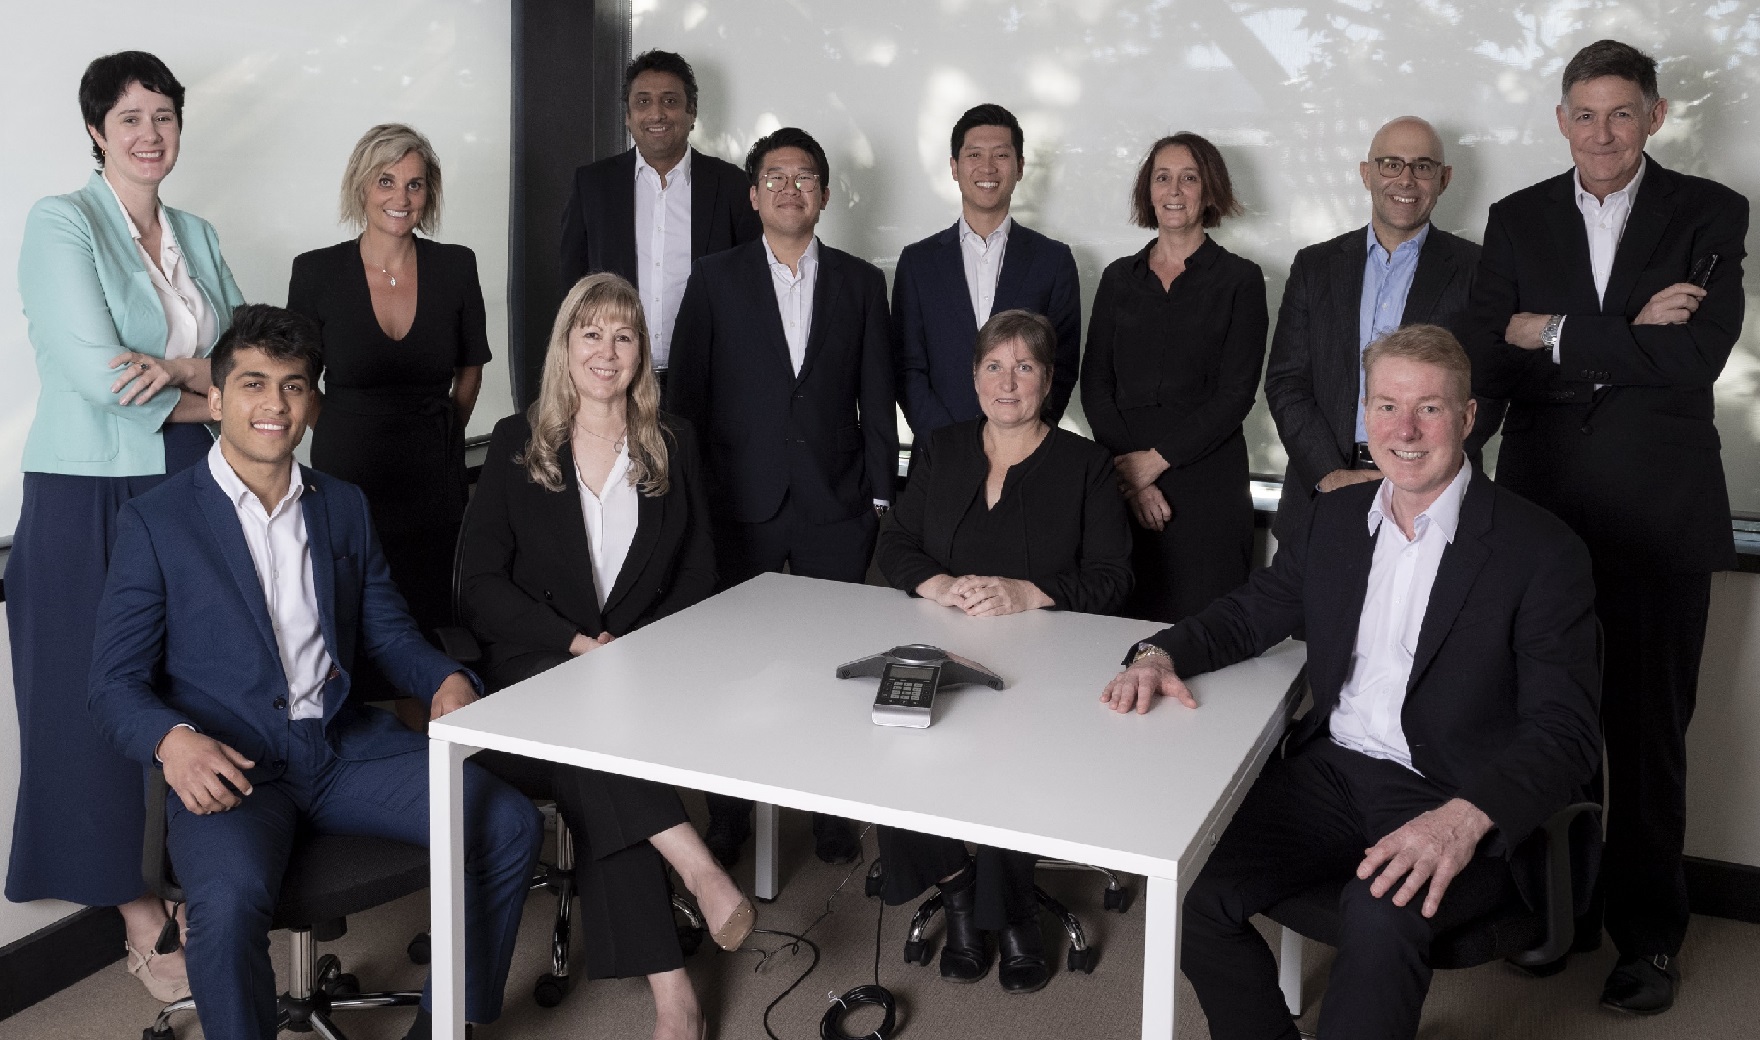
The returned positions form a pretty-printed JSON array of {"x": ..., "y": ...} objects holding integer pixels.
[
  {"x": 388, "y": 423},
  {"x": 1176, "y": 369},
  {"x": 1058, "y": 523}
]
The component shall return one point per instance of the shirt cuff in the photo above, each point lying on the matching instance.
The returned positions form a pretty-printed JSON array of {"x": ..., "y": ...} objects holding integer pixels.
[
  {"x": 1559, "y": 342},
  {"x": 180, "y": 725}
]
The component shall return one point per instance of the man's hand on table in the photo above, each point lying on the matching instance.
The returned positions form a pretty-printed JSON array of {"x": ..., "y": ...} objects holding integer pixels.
[
  {"x": 454, "y": 693},
  {"x": 1136, "y": 688},
  {"x": 1435, "y": 846}
]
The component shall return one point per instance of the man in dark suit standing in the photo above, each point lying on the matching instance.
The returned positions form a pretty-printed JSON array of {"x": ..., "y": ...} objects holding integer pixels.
[
  {"x": 649, "y": 213},
  {"x": 239, "y": 593},
  {"x": 1451, "y": 656},
  {"x": 1345, "y": 293},
  {"x": 949, "y": 284},
  {"x": 1589, "y": 328},
  {"x": 783, "y": 363}
]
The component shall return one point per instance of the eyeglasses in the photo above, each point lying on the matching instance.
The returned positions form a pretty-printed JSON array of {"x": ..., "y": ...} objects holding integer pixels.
[
  {"x": 804, "y": 183},
  {"x": 1392, "y": 166}
]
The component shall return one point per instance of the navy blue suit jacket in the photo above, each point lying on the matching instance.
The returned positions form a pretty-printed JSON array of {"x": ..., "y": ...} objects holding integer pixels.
[
  {"x": 935, "y": 330},
  {"x": 184, "y": 634}
]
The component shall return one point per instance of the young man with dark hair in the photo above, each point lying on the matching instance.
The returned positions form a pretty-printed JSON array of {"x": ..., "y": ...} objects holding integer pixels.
[
  {"x": 649, "y": 213},
  {"x": 783, "y": 363},
  {"x": 948, "y": 284},
  {"x": 239, "y": 592},
  {"x": 1607, "y": 302}
]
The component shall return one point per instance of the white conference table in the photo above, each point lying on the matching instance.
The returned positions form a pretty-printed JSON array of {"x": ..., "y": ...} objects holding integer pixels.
[{"x": 736, "y": 695}]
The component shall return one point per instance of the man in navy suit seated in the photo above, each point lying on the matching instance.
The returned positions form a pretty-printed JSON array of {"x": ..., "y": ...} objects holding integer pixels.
[
  {"x": 1451, "y": 654},
  {"x": 238, "y": 593},
  {"x": 949, "y": 284}
]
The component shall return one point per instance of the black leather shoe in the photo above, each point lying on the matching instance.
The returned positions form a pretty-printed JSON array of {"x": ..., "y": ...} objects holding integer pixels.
[
  {"x": 834, "y": 839},
  {"x": 726, "y": 836},
  {"x": 1021, "y": 953},
  {"x": 965, "y": 952},
  {"x": 1642, "y": 985}
]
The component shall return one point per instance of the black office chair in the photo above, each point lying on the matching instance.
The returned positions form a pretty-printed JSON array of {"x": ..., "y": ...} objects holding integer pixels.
[
  {"x": 1082, "y": 956},
  {"x": 329, "y": 877}
]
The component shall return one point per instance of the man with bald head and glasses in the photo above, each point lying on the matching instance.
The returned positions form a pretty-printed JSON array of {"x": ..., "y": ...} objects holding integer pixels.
[{"x": 1345, "y": 293}]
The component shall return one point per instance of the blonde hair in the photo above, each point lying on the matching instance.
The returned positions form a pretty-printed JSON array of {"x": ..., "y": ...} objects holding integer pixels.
[
  {"x": 1427, "y": 345},
  {"x": 378, "y": 148},
  {"x": 597, "y": 298}
]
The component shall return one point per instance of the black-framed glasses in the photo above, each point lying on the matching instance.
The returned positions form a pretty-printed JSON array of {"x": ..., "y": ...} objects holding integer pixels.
[
  {"x": 1424, "y": 169},
  {"x": 805, "y": 183}
]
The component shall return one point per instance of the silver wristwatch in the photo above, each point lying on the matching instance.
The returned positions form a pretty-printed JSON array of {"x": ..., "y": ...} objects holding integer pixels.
[{"x": 1549, "y": 334}]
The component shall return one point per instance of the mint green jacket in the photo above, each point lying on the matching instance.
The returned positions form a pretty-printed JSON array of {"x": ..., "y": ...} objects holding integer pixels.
[{"x": 88, "y": 297}]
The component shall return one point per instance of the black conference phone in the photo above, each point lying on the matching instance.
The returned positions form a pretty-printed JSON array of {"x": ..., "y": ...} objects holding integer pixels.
[{"x": 910, "y": 675}]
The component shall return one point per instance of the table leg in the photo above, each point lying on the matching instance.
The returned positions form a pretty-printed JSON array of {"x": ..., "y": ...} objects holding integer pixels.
[
  {"x": 446, "y": 883},
  {"x": 769, "y": 852},
  {"x": 1160, "y": 957}
]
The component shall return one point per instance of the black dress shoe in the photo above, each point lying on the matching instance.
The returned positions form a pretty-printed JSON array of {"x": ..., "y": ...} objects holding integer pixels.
[
  {"x": 834, "y": 839},
  {"x": 965, "y": 952},
  {"x": 1642, "y": 985},
  {"x": 726, "y": 836},
  {"x": 1021, "y": 952}
]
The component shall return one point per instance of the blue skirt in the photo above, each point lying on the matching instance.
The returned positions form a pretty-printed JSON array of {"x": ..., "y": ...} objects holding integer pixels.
[{"x": 77, "y": 832}]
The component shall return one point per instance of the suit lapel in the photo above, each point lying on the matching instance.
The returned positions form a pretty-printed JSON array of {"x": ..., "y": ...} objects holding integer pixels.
[
  {"x": 1644, "y": 228},
  {"x": 825, "y": 291},
  {"x": 223, "y": 521},
  {"x": 760, "y": 297},
  {"x": 1435, "y": 270},
  {"x": 1352, "y": 588},
  {"x": 563, "y": 512},
  {"x": 950, "y": 256},
  {"x": 704, "y": 193},
  {"x": 321, "y": 552},
  {"x": 1017, "y": 261},
  {"x": 620, "y": 214},
  {"x": 1565, "y": 222},
  {"x": 1347, "y": 324},
  {"x": 650, "y": 510},
  {"x": 1455, "y": 575}
]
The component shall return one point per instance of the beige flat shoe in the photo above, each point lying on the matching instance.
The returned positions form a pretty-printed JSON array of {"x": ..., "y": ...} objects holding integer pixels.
[
  {"x": 738, "y": 927},
  {"x": 160, "y": 982}
]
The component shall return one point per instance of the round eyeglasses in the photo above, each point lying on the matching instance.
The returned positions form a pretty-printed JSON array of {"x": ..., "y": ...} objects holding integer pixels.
[{"x": 804, "y": 183}]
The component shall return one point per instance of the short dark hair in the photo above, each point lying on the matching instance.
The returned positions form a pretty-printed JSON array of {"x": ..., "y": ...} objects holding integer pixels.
[
  {"x": 1219, "y": 200},
  {"x": 787, "y": 137},
  {"x": 106, "y": 79},
  {"x": 280, "y": 333},
  {"x": 662, "y": 61},
  {"x": 1035, "y": 332},
  {"x": 987, "y": 115},
  {"x": 1612, "y": 58}
]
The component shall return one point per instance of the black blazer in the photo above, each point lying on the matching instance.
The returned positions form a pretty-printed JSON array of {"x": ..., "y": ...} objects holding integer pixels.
[
  {"x": 1502, "y": 708},
  {"x": 828, "y": 437},
  {"x": 1634, "y": 468},
  {"x": 599, "y": 225},
  {"x": 935, "y": 329},
  {"x": 1075, "y": 543},
  {"x": 1314, "y": 376},
  {"x": 525, "y": 567}
]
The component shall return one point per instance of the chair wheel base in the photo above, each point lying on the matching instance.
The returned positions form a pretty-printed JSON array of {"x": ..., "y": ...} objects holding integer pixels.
[
  {"x": 916, "y": 952},
  {"x": 150, "y": 1033},
  {"x": 1083, "y": 960},
  {"x": 551, "y": 989},
  {"x": 418, "y": 949},
  {"x": 343, "y": 987}
]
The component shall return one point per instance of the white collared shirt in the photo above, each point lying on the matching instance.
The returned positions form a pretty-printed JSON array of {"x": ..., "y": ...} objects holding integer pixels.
[
  {"x": 663, "y": 248},
  {"x": 611, "y": 521},
  {"x": 794, "y": 298},
  {"x": 1605, "y": 221},
  {"x": 983, "y": 257},
  {"x": 189, "y": 321},
  {"x": 1367, "y": 718},
  {"x": 283, "y": 558}
]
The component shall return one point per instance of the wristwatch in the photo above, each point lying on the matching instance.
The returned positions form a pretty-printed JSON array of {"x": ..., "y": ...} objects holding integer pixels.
[
  {"x": 1147, "y": 650},
  {"x": 1549, "y": 334}
]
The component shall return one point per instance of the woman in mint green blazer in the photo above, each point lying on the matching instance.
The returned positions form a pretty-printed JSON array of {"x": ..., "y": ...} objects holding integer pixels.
[{"x": 125, "y": 298}]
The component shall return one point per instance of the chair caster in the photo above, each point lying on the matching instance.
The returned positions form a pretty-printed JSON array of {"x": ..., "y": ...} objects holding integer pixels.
[
  {"x": 916, "y": 951},
  {"x": 327, "y": 971},
  {"x": 1083, "y": 960},
  {"x": 150, "y": 1033},
  {"x": 1117, "y": 900},
  {"x": 343, "y": 987},
  {"x": 690, "y": 939},
  {"x": 551, "y": 989},
  {"x": 418, "y": 949}
]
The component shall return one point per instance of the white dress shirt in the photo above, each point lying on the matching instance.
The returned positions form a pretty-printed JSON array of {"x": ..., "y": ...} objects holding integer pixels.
[
  {"x": 611, "y": 521},
  {"x": 1367, "y": 718},
  {"x": 277, "y": 541},
  {"x": 983, "y": 259},
  {"x": 794, "y": 298},
  {"x": 189, "y": 321},
  {"x": 1605, "y": 221},
  {"x": 663, "y": 248}
]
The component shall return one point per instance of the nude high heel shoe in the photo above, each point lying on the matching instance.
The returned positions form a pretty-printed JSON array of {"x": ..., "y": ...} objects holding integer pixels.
[{"x": 163, "y": 985}]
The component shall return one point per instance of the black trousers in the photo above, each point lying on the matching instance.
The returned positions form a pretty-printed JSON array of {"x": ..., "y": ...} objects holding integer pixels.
[
  {"x": 1654, "y": 632},
  {"x": 838, "y": 551},
  {"x": 620, "y": 879},
  {"x": 1305, "y": 821},
  {"x": 914, "y": 861}
]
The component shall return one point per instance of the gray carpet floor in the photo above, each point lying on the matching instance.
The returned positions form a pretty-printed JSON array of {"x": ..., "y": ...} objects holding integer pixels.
[{"x": 1720, "y": 995}]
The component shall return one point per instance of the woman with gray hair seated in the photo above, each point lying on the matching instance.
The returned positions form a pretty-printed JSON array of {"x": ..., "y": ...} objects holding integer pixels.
[{"x": 1001, "y": 514}]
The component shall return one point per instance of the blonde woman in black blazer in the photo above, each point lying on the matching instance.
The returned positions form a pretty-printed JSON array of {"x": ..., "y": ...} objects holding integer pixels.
[{"x": 530, "y": 587}]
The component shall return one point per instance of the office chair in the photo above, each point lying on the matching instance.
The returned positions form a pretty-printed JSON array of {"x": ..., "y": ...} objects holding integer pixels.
[
  {"x": 1081, "y": 956},
  {"x": 329, "y": 877}
]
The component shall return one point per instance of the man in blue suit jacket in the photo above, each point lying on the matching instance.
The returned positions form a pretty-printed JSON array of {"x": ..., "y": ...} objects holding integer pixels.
[
  {"x": 236, "y": 599},
  {"x": 948, "y": 284}
]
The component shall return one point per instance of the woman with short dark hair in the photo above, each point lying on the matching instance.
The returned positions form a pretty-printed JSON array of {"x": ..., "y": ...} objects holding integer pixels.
[
  {"x": 125, "y": 298},
  {"x": 1176, "y": 341}
]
